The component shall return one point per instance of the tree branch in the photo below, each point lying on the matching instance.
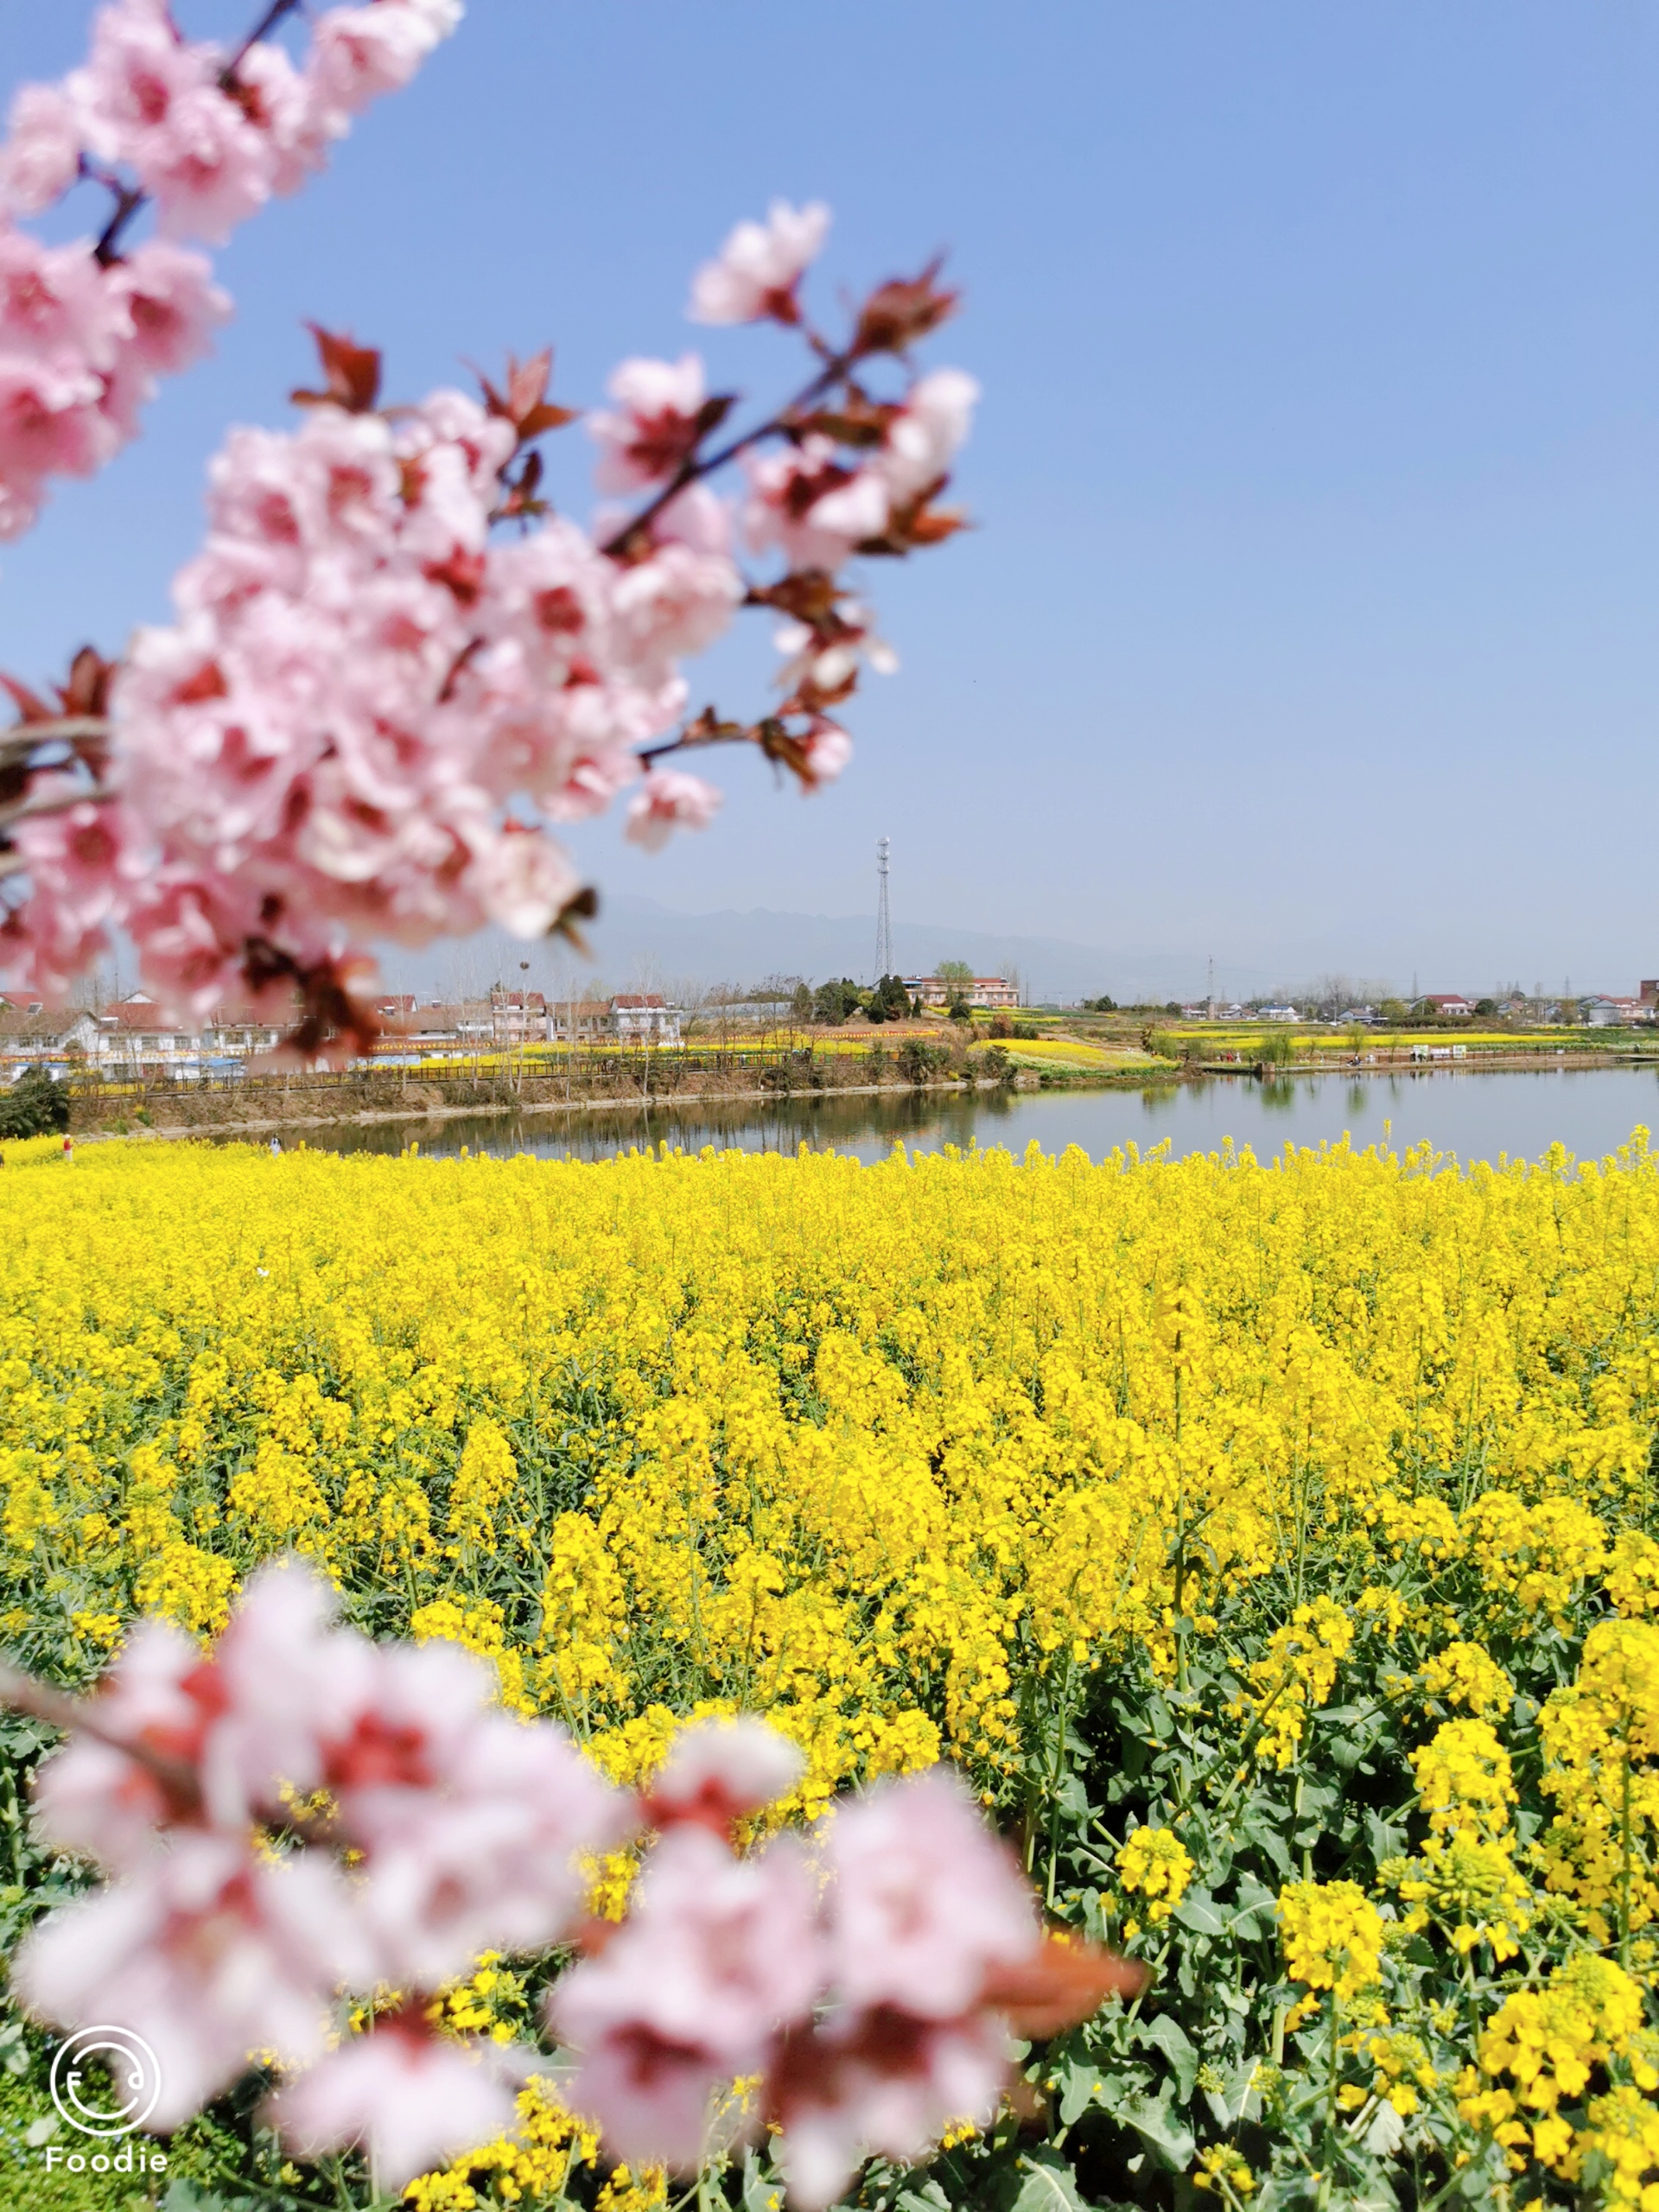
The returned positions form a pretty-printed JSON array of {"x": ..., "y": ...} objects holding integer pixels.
[
  {"x": 60, "y": 802},
  {"x": 692, "y": 470},
  {"x": 267, "y": 23},
  {"x": 28, "y": 1693},
  {"x": 25, "y": 738}
]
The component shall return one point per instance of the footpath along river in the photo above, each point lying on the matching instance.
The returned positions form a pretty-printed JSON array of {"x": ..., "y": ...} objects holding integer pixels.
[{"x": 1591, "y": 1111}]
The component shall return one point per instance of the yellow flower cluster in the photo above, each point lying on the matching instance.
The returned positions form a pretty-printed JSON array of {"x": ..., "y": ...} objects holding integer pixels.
[
  {"x": 535, "y": 2162},
  {"x": 1542, "y": 2045},
  {"x": 1601, "y": 1740},
  {"x": 1465, "y": 1779},
  {"x": 1155, "y": 1867},
  {"x": 1331, "y": 1937}
]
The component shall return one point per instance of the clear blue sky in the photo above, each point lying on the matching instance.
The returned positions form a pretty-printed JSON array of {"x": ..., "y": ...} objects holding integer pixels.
[{"x": 1311, "y": 616}]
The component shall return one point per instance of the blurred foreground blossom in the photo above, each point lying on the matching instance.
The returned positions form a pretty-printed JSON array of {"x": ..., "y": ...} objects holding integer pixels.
[{"x": 303, "y": 1815}]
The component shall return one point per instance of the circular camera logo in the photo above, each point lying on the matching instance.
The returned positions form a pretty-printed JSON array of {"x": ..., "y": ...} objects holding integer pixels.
[{"x": 124, "y": 2085}]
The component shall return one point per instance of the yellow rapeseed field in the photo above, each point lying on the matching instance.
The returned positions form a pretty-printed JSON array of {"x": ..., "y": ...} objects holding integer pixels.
[{"x": 1272, "y": 1544}]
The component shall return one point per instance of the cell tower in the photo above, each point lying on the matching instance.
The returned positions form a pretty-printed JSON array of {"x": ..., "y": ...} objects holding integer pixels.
[{"x": 883, "y": 918}]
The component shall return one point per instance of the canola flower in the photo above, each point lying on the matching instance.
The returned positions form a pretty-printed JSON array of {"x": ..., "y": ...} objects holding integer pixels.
[{"x": 1272, "y": 1546}]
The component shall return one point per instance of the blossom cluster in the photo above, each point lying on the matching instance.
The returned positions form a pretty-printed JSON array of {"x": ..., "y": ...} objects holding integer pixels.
[
  {"x": 209, "y": 136},
  {"x": 306, "y": 1813},
  {"x": 373, "y": 704}
]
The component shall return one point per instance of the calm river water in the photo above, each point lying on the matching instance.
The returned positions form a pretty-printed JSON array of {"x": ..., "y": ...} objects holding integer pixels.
[{"x": 1474, "y": 1116}]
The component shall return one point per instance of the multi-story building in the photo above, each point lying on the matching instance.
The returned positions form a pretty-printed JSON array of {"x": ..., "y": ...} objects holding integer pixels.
[
  {"x": 588, "y": 1021},
  {"x": 982, "y": 990},
  {"x": 644, "y": 1017},
  {"x": 517, "y": 1017}
]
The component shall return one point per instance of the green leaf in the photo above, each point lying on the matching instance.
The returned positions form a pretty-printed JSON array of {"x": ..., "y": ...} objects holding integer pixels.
[
  {"x": 1386, "y": 2132},
  {"x": 1238, "y": 2098},
  {"x": 1165, "y": 2032},
  {"x": 1163, "y": 2132},
  {"x": 1049, "y": 2184},
  {"x": 1197, "y": 1912},
  {"x": 1078, "y": 2084}
]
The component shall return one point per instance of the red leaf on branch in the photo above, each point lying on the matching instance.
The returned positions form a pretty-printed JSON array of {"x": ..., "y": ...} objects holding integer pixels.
[
  {"x": 350, "y": 373},
  {"x": 858, "y": 421},
  {"x": 902, "y": 310},
  {"x": 1067, "y": 1980},
  {"x": 31, "y": 708},
  {"x": 525, "y": 403},
  {"x": 916, "y": 524},
  {"x": 88, "y": 691}
]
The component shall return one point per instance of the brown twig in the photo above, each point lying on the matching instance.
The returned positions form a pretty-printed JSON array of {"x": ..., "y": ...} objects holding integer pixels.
[
  {"x": 267, "y": 22},
  {"x": 25, "y": 738},
  {"x": 60, "y": 802},
  {"x": 693, "y": 469},
  {"x": 27, "y": 1694}
]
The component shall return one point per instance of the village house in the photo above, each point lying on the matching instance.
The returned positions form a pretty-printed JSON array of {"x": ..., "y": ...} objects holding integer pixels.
[
  {"x": 1601, "y": 1011},
  {"x": 644, "y": 1017},
  {"x": 588, "y": 1021},
  {"x": 1452, "y": 1002},
  {"x": 517, "y": 1017},
  {"x": 982, "y": 990}
]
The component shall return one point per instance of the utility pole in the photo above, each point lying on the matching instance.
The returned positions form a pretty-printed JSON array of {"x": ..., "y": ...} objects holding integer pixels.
[
  {"x": 883, "y": 917},
  {"x": 1210, "y": 994}
]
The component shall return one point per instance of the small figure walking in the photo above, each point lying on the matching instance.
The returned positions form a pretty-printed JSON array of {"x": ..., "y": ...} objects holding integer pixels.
[
  {"x": 68, "y": 1151},
  {"x": 275, "y": 1147}
]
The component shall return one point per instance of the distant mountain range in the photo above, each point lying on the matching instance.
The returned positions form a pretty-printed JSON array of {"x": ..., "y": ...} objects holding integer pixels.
[{"x": 640, "y": 941}]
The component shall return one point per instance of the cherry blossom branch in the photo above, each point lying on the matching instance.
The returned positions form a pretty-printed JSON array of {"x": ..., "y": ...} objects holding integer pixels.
[
  {"x": 253, "y": 855},
  {"x": 268, "y": 22},
  {"x": 131, "y": 199}
]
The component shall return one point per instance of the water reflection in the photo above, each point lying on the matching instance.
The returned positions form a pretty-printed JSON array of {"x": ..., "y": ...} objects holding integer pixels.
[{"x": 1475, "y": 1116}]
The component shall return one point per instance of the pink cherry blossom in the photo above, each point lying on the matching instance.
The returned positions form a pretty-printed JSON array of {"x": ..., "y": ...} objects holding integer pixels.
[
  {"x": 923, "y": 439},
  {"x": 717, "y": 1771},
  {"x": 137, "y": 70},
  {"x": 209, "y": 170},
  {"x": 56, "y": 304},
  {"x": 357, "y": 53},
  {"x": 668, "y": 800},
  {"x": 208, "y": 1952},
  {"x": 674, "y": 603},
  {"x": 760, "y": 265},
  {"x": 825, "y": 752},
  {"x": 93, "y": 1797},
  {"x": 148, "y": 99},
  {"x": 885, "y": 2083},
  {"x": 808, "y": 502},
  {"x": 78, "y": 860},
  {"x": 656, "y": 427},
  {"x": 717, "y": 1956},
  {"x": 49, "y": 422},
  {"x": 172, "y": 305},
  {"x": 696, "y": 516},
  {"x": 411, "y": 2099},
  {"x": 40, "y": 158},
  {"x": 925, "y": 1904},
  {"x": 523, "y": 881},
  {"x": 277, "y": 100},
  {"x": 189, "y": 927}
]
